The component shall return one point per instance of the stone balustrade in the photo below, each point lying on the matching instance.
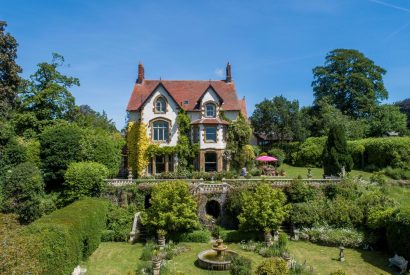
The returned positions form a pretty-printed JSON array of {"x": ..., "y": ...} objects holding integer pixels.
[{"x": 217, "y": 186}]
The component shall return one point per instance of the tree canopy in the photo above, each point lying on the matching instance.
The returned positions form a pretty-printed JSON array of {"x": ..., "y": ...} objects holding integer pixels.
[
  {"x": 278, "y": 118},
  {"x": 350, "y": 81},
  {"x": 172, "y": 208},
  {"x": 10, "y": 80},
  {"x": 47, "y": 93},
  {"x": 263, "y": 209}
]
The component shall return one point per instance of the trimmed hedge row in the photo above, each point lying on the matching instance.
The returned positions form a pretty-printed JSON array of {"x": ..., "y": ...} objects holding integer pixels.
[
  {"x": 370, "y": 153},
  {"x": 69, "y": 235}
]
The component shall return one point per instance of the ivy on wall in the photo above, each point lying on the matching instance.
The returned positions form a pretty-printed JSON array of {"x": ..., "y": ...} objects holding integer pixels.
[
  {"x": 238, "y": 135},
  {"x": 185, "y": 149},
  {"x": 137, "y": 143}
]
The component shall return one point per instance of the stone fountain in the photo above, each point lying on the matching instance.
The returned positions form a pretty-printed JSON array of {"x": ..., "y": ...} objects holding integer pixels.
[{"x": 217, "y": 258}]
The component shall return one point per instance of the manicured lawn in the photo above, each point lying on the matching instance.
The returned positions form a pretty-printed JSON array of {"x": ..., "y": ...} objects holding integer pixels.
[
  {"x": 293, "y": 172},
  {"x": 323, "y": 259},
  {"x": 122, "y": 258},
  {"x": 401, "y": 195}
]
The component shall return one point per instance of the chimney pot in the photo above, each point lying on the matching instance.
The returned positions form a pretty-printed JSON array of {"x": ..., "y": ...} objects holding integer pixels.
[
  {"x": 228, "y": 73},
  {"x": 141, "y": 73}
]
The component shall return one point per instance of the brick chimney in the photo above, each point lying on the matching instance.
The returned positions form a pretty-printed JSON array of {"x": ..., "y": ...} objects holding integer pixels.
[
  {"x": 228, "y": 73},
  {"x": 141, "y": 74}
]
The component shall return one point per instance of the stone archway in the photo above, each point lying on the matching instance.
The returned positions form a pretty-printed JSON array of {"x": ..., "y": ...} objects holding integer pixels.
[{"x": 213, "y": 208}]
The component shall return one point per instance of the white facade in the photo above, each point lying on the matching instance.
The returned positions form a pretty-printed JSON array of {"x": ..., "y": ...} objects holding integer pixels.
[{"x": 148, "y": 115}]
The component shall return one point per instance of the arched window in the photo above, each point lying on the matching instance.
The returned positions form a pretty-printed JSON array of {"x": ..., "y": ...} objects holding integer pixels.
[
  {"x": 160, "y": 105},
  {"x": 160, "y": 130},
  {"x": 210, "y": 110}
]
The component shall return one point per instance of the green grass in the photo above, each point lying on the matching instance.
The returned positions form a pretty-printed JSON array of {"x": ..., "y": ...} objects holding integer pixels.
[
  {"x": 401, "y": 195},
  {"x": 122, "y": 258},
  {"x": 317, "y": 173}
]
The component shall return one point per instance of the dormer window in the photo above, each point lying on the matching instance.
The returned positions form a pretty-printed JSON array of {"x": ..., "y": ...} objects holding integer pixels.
[
  {"x": 210, "y": 110},
  {"x": 160, "y": 105}
]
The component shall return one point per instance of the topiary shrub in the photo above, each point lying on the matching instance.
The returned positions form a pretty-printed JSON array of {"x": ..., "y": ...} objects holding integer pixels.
[
  {"x": 84, "y": 179},
  {"x": 23, "y": 192},
  {"x": 68, "y": 235},
  {"x": 197, "y": 236},
  {"x": 335, "y": 154},
  {"x": 272, "y": 266},
  {"x": 241, "y": 266}
]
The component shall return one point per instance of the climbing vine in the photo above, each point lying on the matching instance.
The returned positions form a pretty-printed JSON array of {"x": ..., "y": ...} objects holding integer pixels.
[
  {"x": 238, "y": 135},
  {"x": 137, "y": 143},
  {"x": 185, "y": 149}
]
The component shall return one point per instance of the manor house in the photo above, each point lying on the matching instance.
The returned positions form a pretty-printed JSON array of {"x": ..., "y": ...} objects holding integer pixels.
[{"x": 207, "y": 102}]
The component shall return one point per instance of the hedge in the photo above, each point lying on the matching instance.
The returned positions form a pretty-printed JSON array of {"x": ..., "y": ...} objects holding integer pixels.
[
  {"x": 380, "y": 152},
  {"x": 69, "y": 235},
  {"x": 398, "y": 233},
  {"x": 370, "y": 153}
]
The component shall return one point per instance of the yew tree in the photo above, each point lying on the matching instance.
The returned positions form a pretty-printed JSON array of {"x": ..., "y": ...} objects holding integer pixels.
[{"x": 335, "y": 153}]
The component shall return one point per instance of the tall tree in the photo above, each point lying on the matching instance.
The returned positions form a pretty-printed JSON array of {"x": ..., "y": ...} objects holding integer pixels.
[
  {"x": 10, "y": 80},
  {"x": 405, "y": 108},
  {"x": 278, "y": 118},
  {"x": 351, "y": 81},
  {"x": 47, "y": 94},
  {"x": 87, "y": 117},
  {"x": 335, "y": 154},
  {"x": 321, "y": 116},
  {"x": 387, "y": 118}
]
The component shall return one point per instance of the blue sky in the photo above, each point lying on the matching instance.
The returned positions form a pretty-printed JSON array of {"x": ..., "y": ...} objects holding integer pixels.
[{"x": 272, "y": 45}]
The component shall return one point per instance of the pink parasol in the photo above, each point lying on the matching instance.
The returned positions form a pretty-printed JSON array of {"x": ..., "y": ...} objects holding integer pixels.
[{"x": 266, "y": 158}]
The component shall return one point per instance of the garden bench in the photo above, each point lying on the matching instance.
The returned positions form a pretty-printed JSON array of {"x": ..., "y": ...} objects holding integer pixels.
[{"x": 400, "y": 262}]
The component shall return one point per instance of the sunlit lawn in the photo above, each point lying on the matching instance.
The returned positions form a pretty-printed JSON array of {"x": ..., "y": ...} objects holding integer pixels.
[
  {"x": 122, "y": 258},
  {"x": 317, "y": 173}
]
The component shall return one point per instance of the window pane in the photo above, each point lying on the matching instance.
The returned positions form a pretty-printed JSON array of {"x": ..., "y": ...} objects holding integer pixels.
[
  {"x": 160, "y": 129},
  {"x": 210, "y": 110},
  {"x": 210, "y": 133}
]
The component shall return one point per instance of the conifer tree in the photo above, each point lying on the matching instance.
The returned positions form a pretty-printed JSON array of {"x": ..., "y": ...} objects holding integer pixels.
[{"x": 335, "y": 154}]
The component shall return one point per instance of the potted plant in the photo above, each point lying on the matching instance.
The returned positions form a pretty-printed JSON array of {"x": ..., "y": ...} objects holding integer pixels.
[{"x": 161, "y": 238}]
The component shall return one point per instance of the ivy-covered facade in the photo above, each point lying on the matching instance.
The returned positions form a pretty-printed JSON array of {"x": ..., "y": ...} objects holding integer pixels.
[{"x": 186, "y": 123}]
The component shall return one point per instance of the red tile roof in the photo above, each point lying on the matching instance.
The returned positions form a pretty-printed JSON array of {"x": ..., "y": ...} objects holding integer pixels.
[
  {"x": 186, "y": 90},
  {"x": 210, "y": 121}
]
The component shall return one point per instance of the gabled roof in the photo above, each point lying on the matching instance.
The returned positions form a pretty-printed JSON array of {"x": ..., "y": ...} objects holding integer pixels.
[{"x": 186, "y": 93}]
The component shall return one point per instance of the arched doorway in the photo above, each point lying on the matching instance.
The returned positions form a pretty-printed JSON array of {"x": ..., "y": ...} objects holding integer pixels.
[
  {"x": 210, "y": 162},
  {"x": 213, "y": 208}
]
